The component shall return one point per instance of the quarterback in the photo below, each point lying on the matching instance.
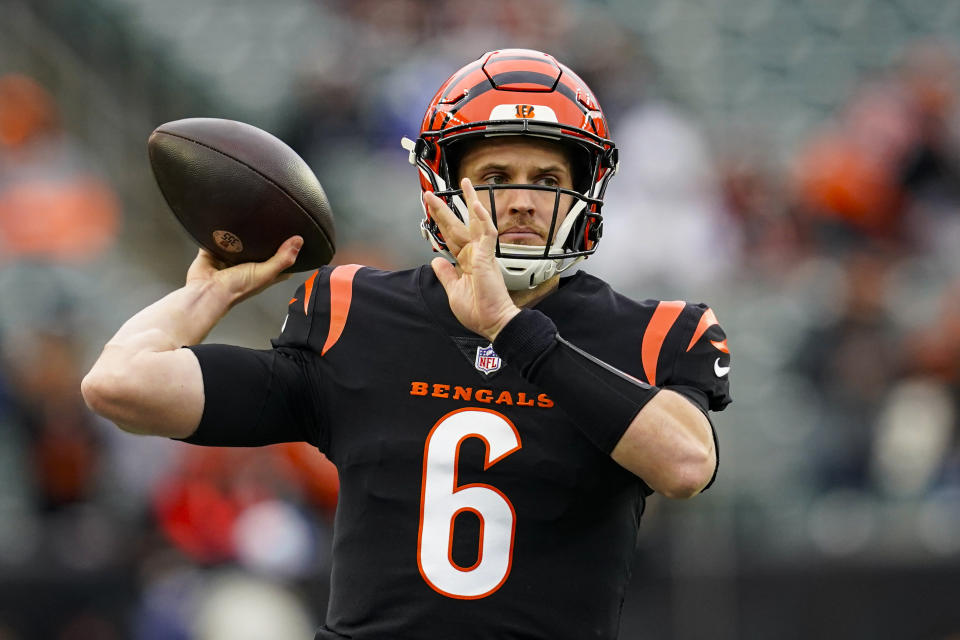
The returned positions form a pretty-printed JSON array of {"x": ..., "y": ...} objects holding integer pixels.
[{"x": 496, "y": 418}]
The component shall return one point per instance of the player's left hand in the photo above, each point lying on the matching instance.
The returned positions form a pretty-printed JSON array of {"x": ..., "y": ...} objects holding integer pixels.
[{"x": 475, "y": 288}]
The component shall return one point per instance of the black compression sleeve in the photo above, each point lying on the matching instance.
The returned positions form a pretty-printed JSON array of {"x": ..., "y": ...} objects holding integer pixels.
[
  {"x": 601, "y": 400},
  {"x": 253, "y": 398}
]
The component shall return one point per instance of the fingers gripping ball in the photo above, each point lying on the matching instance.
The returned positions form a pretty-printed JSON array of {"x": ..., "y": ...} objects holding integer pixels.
[{"x": 240, "y": 192}]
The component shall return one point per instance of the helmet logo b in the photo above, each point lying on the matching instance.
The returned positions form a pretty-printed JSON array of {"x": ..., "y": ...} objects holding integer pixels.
[{"x": 525, "y": 111}]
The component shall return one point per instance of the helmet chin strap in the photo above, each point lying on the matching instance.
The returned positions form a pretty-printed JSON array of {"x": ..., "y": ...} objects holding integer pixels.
[{"x": 533, "y": 276}]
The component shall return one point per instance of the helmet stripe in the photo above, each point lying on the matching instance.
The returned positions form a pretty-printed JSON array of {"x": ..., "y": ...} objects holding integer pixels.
[
  {"x": 455, "y": 81},
  {"x": 483, "y": 87},
  {"x": 497, "y": 67},
  {"x": 526, "y": 81}
]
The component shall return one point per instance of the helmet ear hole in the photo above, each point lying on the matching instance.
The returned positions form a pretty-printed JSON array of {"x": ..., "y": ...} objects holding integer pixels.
[
  {"x": 585, "y": 233},
  {"x": 425, "y": 149},
  {"x": 595, "y": 232},
  {"x": 611, "y": 158}
]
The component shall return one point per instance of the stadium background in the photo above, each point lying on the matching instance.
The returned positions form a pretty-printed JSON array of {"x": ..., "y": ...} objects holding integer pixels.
[{"x": 794, "y": 163}]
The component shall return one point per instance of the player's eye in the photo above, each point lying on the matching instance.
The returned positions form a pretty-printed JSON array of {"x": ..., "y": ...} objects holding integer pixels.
[
  {"x": 495, "y": 178},
  {"x": 547, "y": 181}
]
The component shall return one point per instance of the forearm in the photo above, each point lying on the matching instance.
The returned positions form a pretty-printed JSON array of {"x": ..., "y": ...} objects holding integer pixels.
[
  {"x": 142, "y": 380},
  {"x": 183, "y": 317},
  {"x": 665, "y": 440},
  {"x": 670, "y": 445}
]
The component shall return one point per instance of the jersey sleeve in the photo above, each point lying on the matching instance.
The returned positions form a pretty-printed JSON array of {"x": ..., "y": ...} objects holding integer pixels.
[
  {"x": 259, "y": 397},
  {"x": 701, "y": 366},
  {"x": 255, "y": 397}
]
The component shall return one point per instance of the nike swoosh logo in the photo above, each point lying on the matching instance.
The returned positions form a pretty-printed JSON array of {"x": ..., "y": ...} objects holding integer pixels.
[{"x": 720, "y": 371}]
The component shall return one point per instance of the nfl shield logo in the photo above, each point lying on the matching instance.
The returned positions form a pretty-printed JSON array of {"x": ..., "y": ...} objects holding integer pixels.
[{"x": 487, "y": 359}]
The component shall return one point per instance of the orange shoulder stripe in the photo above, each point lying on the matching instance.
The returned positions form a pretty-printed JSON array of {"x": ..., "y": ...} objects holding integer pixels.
[
  {"x": 307, "y": 291},
  {"x": 341, "y": 295},
  {"x": 722, "y": 345},
  {"x": 707, "y": 320},
  {"x": 663, "y": 318}
]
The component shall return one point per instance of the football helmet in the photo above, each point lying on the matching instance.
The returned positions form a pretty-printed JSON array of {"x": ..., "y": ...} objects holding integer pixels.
[{"x": 519, "y": 92}]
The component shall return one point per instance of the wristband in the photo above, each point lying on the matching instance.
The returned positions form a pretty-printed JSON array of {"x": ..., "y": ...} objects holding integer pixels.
[{"x": 600, "y": 399}]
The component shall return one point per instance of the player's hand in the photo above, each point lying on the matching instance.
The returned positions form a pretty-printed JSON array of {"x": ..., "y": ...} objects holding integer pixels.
[
  {"x": 239, "y": 282},
  {"x": 475, "y": 288},
  {"x": 454, "y": 232}
]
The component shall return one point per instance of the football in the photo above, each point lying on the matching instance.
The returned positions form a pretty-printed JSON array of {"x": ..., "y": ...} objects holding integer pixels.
[{"x": 240, "y": 192}]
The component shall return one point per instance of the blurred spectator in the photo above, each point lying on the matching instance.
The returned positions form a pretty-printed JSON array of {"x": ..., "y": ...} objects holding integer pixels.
[
  {"x": 848, "y": 177},
  {"x": 934, "y": 351},
  {"x": 930, "y": 74},
  {"x": 244, "y": 506},
  {"x": 756, "y": 202},
  {"x": 894, "y": 151},
  {"x": 931, "y": 171},
  {"x": 920, "y": 444},
  {"x": 851, "y": 362},
  {"x": 51, "y": 205},
  {"x": 915, "y": 442},
  {"x": 26, "y": 111},
  {"x": 239, "y": 607},
  {"x": 63, "y": 445},
  {"x": 182, "y": 603}
]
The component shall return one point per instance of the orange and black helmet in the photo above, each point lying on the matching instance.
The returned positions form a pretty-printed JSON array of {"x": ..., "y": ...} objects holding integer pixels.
[{"x": 526, "y": 93}]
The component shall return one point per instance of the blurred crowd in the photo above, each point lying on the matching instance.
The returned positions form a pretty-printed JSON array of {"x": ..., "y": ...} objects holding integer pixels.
[
  {"x": 102, "y": 532},
  {"x": 858, "y": 234}
]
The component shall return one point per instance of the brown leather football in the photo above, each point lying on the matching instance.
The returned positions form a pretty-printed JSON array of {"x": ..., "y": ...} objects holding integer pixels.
[{"x": 240, "y": 192}]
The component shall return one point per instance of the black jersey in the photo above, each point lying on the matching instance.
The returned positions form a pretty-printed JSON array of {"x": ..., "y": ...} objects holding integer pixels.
[{"x": 470, "y": 505}]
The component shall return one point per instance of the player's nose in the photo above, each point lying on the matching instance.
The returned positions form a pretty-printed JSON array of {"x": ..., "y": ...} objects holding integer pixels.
[{"x": 520, "y": 201}]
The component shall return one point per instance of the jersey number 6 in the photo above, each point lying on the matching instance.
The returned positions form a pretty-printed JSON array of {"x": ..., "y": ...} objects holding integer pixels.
[{"x": 441, "y": 500}]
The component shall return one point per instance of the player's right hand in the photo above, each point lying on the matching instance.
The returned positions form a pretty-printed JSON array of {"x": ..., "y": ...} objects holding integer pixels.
[
  {"x": 475, "y": 289},
  {"x": 239, "y": 282}
]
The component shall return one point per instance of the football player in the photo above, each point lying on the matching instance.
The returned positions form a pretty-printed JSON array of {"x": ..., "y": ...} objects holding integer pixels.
[{"x": 496, "y": 427}]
